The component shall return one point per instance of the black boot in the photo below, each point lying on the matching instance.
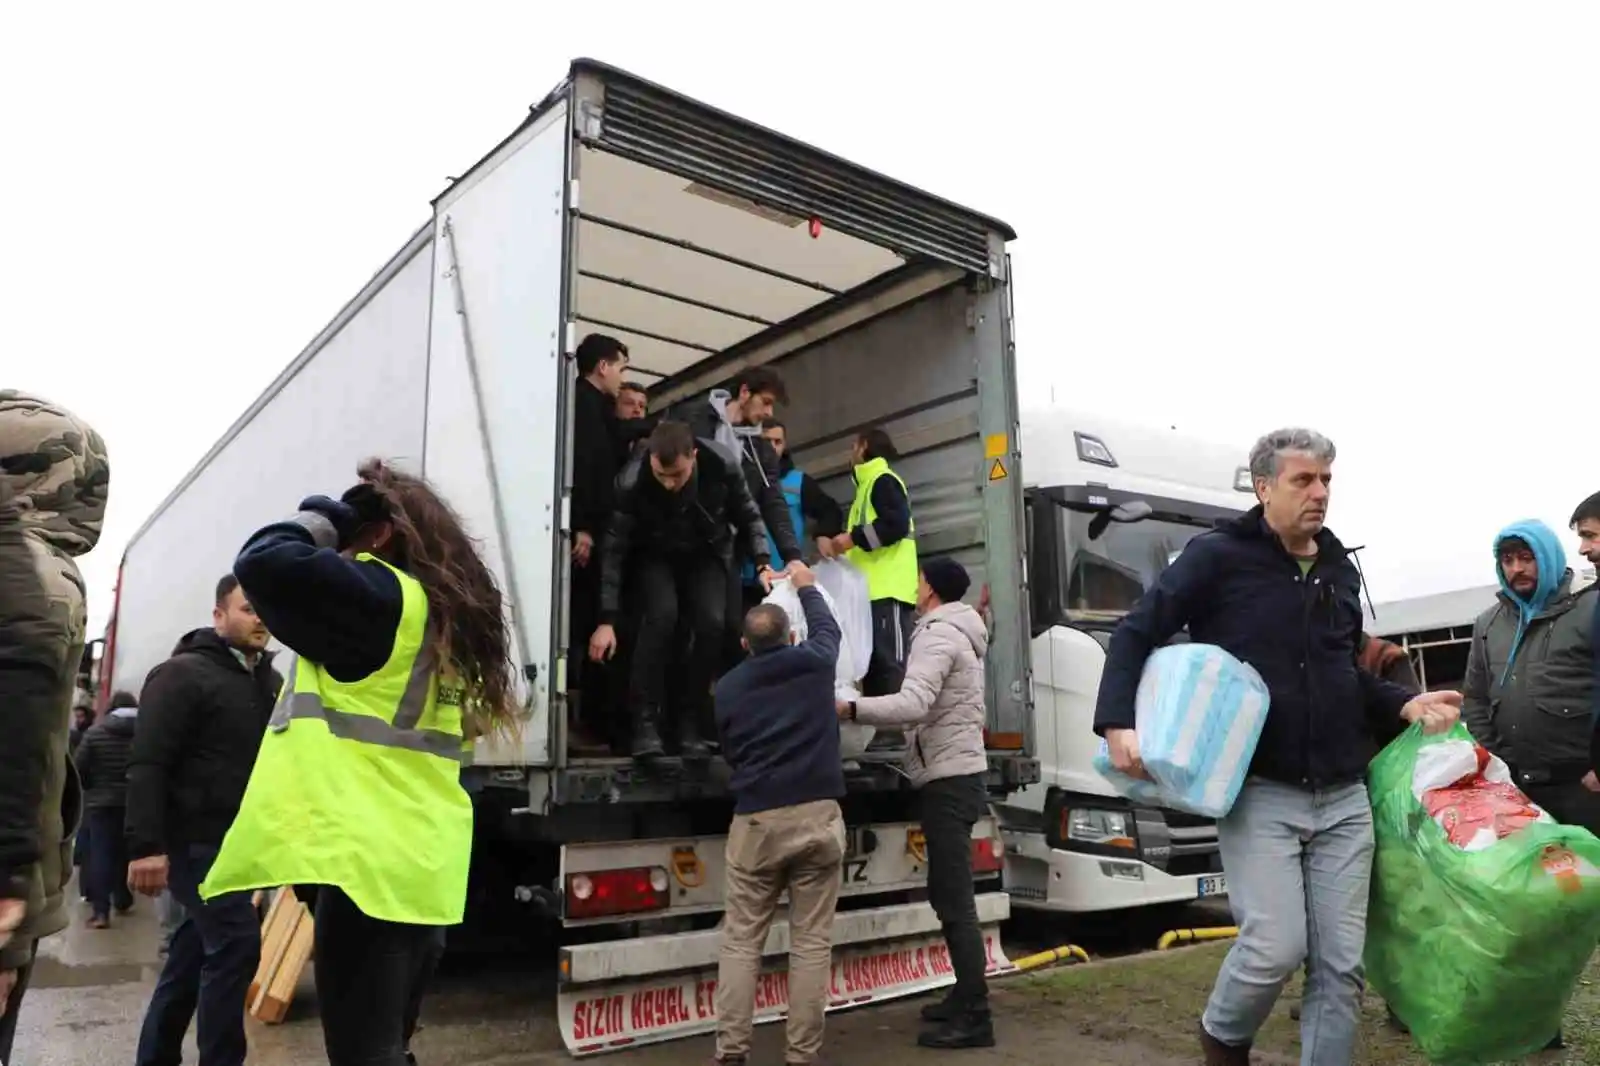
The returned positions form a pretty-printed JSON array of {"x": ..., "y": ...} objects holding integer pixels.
[
  {"x": 941, "y": 1011},
  {"x": 691, "y": 745},
  {"x": 646, "y": 743},
  {"x": 967, "y": 1027}
]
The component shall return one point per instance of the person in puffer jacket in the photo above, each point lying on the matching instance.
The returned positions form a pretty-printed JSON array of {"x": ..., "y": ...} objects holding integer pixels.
[{"x": 940, "y": 705}]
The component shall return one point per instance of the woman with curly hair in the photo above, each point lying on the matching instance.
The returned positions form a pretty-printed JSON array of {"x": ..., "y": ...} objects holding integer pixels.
[{"x": 401, "y": 658}]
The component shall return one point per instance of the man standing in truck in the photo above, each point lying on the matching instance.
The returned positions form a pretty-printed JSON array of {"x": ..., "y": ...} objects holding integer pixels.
[
  {"x": 669, "y": 550},
  {"x": 775, "y": 715},
  {"x": 808, "y": 505},
  {"x": 598, "y": 452},
  {"x": 1278, "y": 590},
  {"x": 633, "y": 402},
  {"x": 880, "y": 541}
]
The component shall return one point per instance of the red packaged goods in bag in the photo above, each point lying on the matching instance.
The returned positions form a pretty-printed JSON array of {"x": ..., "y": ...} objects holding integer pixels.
[{"x": 1472, "y": 797}]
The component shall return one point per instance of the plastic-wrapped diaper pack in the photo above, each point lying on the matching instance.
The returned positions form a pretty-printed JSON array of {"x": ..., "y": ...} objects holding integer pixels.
[
  {"x": 844, "y": 588},
  {"x": 1484, "y": 911},
  {"x": 1198, "y": 714}
]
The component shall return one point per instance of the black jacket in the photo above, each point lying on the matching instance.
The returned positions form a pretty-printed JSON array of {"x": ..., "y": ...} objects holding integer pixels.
[
  {"x": 700, "y": 518},
  {"x": 102, "y": 761},
  {"x": 776, "y": 719},
  {"x": 598, "y": 451},
  {"x": 201, "y": 718},
  {"x": 1238, "y": 588},
  {"x": 762, "y": 471}
]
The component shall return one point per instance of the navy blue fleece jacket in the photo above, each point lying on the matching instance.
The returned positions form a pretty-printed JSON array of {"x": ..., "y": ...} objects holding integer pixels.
[
  {"x": 776, "y": 719},
  {"x": 337, "y": 612}
]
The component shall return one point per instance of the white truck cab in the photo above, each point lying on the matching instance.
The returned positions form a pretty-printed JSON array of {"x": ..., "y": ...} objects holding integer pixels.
[{"x": 1109, "y": 505}]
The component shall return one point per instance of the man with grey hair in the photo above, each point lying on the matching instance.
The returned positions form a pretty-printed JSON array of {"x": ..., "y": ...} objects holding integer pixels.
[{"x": 1276, "y": 589}]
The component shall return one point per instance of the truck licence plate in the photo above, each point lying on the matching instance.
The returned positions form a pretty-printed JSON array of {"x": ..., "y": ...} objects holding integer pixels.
[{"x": 1213, "y": 885}]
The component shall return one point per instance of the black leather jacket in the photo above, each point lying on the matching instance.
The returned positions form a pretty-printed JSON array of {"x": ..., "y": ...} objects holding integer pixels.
[{"x": 700, "y": 519}]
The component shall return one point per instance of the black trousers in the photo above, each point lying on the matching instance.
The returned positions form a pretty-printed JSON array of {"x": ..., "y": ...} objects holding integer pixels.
[
  {"x": 951, "y": 806},
  {"x": 371, "y": 977},
  {"x": 892, "y": 622},
  {"x": 692, "y": 591},
  {"x": 1568, "y": 803},
  {"x": 105, "y": 870}
]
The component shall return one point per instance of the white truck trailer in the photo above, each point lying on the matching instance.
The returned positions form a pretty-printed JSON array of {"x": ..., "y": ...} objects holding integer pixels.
[
  {"x": 707, "y": 244},
  {"x": 1109, "y": 505}
]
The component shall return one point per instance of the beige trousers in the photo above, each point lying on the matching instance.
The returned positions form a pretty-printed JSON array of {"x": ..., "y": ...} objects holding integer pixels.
[{"x": 801, "y": 849}]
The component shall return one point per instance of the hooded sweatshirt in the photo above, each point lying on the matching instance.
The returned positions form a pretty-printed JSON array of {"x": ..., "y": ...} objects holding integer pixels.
[
  {"x": 54, "y": 478},
  {"x": 1530, "y": 668},
  {"x": 941, "y": 701},
  {"x": 1552, "y": 560}
]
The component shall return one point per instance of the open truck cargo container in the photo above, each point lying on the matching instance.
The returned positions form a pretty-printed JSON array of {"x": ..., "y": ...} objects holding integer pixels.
[{"x": 707, "y": 244}]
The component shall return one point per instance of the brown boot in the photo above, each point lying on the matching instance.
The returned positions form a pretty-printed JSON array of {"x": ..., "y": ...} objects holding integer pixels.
[{"x": 1219, "y": 1054}]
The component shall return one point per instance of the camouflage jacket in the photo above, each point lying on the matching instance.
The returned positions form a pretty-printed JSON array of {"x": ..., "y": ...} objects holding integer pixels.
[{"x": 54, "y": 477}]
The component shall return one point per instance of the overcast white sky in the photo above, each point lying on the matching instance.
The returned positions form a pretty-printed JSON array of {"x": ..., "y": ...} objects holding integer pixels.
[{"x": 1382, "y": 219}]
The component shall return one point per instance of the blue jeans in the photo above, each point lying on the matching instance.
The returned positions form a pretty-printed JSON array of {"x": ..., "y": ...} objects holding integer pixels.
[
  {"x": 1298, "y": 865},
  {"x": 105, "y": 873},
  {"x": 210, "y": 961}
]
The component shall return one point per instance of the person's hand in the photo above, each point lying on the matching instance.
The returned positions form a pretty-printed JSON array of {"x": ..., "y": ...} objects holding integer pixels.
[
  {"x": 766, "y": 577},
  {"x": 843, "y": 543},
  {"x": 825, "y": 547},
  {"x": 11, "y": 914},
  {"x": 148, "y": 876},
  {"x": 603, "y": 644},
  {"x": 983, "y": 600},
  {"x": 1124, "y": 748},
  {"x": 582, "y": 548},
  {"x": 8, "y": 981},
  {"x": 842, "y": 708},
  {"x": 1437, "y": 711},
  {"x": 1591, "y": 782},
  {"x": 801, "y": 576},
  {"x": 346, "y": 520}
]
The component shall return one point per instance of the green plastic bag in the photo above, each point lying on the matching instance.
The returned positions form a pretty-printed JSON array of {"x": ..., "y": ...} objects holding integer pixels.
[{"x": 1476, "y": 951}]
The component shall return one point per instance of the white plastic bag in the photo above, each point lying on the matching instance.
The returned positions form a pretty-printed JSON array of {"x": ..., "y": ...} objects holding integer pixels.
[
  {"x": 853, "y": 736},
  {"x": 846, "y": 589}
]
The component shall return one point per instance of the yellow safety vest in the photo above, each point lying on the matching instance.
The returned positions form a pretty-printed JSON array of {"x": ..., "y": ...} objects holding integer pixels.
[
  {"x": 358, "y": 785},
  {"x": 891, "y": 572}
]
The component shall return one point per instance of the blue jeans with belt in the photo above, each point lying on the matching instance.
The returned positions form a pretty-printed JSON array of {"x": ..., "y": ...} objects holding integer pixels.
[{"x": 1298, "y": 863}]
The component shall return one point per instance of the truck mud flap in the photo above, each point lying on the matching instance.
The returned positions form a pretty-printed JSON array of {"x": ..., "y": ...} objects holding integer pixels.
[{"x": 651, "y": 1010}]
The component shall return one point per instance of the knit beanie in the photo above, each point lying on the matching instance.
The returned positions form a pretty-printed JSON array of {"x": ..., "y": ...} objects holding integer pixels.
[{"x": 947, "y": 578}]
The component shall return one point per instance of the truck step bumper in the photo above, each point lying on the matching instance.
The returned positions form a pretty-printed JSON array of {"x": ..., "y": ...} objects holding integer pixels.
[{"x": 626, "y": 993}]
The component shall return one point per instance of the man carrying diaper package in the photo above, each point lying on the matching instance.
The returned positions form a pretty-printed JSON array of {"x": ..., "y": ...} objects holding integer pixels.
[{"x": 1276, "y": 589}]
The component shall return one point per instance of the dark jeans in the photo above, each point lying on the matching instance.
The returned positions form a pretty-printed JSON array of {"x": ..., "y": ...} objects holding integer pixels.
[
  {"x": 105, "y": 874},
  {"x": 695, "y": 589},
  {"x": 892, "y": 622},
  {"x": 951, "y": 806},
  {"x": 371, "y": 977},
  {"x": 210, "y": 961},
  {"x": 8, "y": 1022}
]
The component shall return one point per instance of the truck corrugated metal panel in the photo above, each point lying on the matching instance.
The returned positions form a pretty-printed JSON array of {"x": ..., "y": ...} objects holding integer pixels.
[{"x": 672, "y": 133}]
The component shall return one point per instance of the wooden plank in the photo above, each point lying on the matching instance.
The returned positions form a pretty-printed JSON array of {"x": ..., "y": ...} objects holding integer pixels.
[
  {"x": 275, "y": 998},
  {"x": 275, "y": 933}
]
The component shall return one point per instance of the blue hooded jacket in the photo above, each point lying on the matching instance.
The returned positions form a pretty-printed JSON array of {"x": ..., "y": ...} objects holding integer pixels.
[{"x": 1552, "y": 560}]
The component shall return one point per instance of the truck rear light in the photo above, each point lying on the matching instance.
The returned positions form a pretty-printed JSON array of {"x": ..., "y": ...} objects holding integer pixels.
[
  {"x": 987, "y": 855},
  {"x": 1002, "y": 741},
  {"x": 602, "y": 893}
]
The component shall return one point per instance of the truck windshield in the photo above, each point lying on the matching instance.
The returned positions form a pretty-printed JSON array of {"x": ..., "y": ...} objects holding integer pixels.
[{"x": 1107, "y": 569}]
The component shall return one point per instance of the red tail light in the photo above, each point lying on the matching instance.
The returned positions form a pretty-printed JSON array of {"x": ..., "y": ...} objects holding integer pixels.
[
  {"x": 987, "y": 855},
  {"x": 602, "y": 893}
]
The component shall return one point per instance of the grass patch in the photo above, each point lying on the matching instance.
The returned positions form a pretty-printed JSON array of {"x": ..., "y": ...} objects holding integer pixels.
[{"x": 1156, "y": 1000}]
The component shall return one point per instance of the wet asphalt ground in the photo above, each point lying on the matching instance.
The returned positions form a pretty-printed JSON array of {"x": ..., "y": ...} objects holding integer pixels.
[{"x": 90, "y": 988}]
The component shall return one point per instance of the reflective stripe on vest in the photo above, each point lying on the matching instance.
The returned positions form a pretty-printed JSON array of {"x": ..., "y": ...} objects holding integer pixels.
[
  {"x": 352, "y": 775},
  {"x": 891, "y": 572}
]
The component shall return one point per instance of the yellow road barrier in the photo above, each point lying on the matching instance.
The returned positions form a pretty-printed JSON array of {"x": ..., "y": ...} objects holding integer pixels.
[
  {"x": 1195, "y": 936},
  {"x": 1065, "y": 953}
]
